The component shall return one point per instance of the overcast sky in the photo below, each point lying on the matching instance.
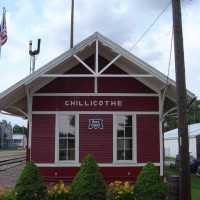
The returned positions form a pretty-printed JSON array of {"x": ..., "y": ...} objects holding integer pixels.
[{"x": 122, "y": 21}]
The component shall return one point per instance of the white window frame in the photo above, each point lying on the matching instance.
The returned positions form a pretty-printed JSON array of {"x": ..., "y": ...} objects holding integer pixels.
[
  {"x": 134, "y": 139},
  {"x": 76, "y": 138}
]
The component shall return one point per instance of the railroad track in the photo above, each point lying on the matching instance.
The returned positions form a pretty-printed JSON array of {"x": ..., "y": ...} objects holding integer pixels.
[{"x": 9, "y": 162}]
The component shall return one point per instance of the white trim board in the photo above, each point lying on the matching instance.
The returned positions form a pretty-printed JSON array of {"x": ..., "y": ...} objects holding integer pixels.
[
  {"x": 94, "y": 112},
  {"x": 99, "y": 94}
]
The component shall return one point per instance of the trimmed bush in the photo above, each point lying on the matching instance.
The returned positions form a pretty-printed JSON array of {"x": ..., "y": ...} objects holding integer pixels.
[
  {"x": 88, "y": 183},
  {"x": 149, "y": 185},
  {"x": 29, "y": 185}
]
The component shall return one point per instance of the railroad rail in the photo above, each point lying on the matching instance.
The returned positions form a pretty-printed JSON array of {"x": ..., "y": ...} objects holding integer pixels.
[{"x": 7, "y": 162}]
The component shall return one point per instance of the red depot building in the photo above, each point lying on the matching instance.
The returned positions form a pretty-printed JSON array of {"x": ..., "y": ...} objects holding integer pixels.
[{"x": 95, "y": 98}]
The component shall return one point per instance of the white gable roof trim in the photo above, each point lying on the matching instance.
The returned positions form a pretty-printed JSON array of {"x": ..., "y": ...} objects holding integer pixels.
[
  {"x": 50, "y": 65},
  {"x": 19, "y": 90},
  {"x": 41, "y": 71}
]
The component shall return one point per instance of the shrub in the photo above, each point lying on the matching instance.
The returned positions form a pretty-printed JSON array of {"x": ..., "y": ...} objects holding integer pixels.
[
  {"x": 120, "y": 191},
  {"x": 149, "y": 185},
  {"x": 29, "y": 185},
  {"x": 8, "y": 196},
  {"x": 88, "y": 183},
  {"x": 59, "y": 192}
]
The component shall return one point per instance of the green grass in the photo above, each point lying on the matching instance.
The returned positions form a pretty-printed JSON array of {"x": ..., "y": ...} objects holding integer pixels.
[
  {"x": 170, "y": 159},
  {"x": 170, "y": 171},
  {"x": 195, "y": 182},
  {"x": 2, "y": 150},
  {"x": 195, "y": 187}
]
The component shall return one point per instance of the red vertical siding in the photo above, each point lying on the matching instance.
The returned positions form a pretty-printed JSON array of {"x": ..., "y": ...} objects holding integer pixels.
[
  {"x": 80, "y": 69},
  {"x": 86, "y": 85},
  {"x": 73, "y": 84},
  {"x": 148, "y": 140},
  {"x": 110, "y": 174},
  {"x": 122, "y": 85},
  {"x": 69, "y": 85},
  {"x": 43, "y": 139},
  {"x": 99, "y": 142},
  {"x": 52, "y": 174}
]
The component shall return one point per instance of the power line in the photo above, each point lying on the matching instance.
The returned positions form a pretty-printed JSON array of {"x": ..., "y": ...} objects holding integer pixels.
[
  {"x": 150, "y": 26},
  {"x": 166, "y": 84}
]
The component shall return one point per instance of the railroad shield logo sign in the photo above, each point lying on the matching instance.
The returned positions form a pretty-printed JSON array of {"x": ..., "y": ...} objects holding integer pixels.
[{"x": 95, "y": 124}]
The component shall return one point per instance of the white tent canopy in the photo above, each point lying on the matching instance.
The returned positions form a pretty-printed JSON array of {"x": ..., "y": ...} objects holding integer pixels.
[
  {"x": 171, "y": 141},
  {"x": 193, "y": 131}
]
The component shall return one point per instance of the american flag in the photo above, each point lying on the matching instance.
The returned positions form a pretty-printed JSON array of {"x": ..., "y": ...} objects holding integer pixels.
[{"x": 3, "y": 29}]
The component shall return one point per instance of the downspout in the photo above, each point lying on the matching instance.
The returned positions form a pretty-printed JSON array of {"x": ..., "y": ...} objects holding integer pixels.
[
  {"x": 162, "y": 163},
  {"x": 29, "y": 123}
]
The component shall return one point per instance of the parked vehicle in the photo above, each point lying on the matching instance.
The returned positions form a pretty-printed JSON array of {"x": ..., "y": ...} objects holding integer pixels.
[
  {"x": 194, "y": 163},
  {"x": 198, "y": 171}
]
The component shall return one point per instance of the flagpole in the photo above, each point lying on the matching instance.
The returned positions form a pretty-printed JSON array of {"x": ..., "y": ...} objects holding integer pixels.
[
  {"x": 1, "y": 34},
  {"x": 3, "y": 30},
  {"x": 72, "y": 25}
]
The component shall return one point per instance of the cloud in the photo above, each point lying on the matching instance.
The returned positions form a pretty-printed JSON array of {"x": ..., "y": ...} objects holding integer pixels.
[{"x": 122, "y": 21}]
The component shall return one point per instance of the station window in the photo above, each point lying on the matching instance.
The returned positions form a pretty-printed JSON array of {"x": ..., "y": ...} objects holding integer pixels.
[
  {"x": 67, "y": 137},
  {"x": 124, "y": 137}
]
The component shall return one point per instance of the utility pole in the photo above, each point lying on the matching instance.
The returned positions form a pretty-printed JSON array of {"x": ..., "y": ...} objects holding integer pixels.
[
  {"x": 184, "y": 170},
  {"x": 72, "y": 25}
]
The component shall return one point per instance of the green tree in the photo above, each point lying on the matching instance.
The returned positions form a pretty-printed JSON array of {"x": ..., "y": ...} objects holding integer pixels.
[
  {"x": 170, "y": 121},
  {"x": 29, "y": 185},
  {"x": 88, "y": 183},
  {"x": 194, "y": 112},
  {"x": 149, "y": 185},
  {"x": 19, "y": 129}
]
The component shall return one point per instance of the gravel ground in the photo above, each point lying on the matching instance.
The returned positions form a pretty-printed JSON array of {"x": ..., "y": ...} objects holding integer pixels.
[{"x": 10, "y": 175}]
